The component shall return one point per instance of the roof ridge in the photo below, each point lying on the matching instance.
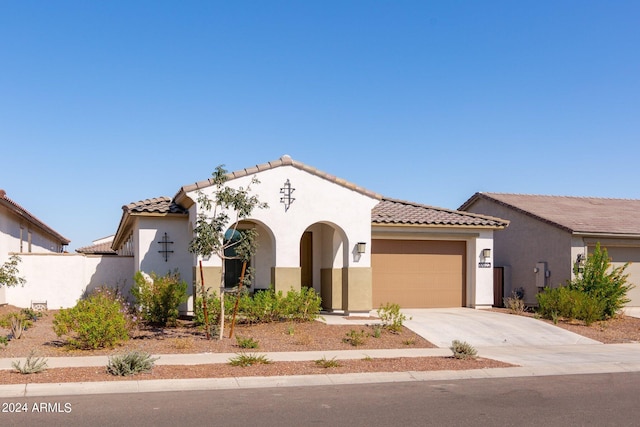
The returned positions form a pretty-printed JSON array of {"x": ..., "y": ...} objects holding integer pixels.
[
  {"x": 558, "y": 196},
  {"x": 285, "y": 160}
]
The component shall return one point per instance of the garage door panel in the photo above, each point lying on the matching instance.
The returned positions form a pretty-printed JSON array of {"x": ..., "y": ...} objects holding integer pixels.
[{"x": 418, "y": 274}]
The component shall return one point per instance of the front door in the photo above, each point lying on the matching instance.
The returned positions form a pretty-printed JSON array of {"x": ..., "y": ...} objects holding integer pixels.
[{"x": 306, "y": 259}]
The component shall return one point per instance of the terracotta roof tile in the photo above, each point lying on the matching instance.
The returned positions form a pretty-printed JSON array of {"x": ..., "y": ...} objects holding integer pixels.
[
  {"x": 390, "y": 211},
  {"x": 97, "y": 249},
  {"x": 160, "y": 205},
  {"x": 574, "y": 214}
]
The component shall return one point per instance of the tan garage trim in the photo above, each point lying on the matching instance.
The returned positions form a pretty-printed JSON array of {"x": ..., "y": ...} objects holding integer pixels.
[{"x": 419, "y": 273}]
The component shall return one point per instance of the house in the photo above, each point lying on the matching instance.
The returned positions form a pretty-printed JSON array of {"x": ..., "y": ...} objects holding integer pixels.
[
  {"x": 356, "y": 248},
  {"x": 22, "y": 232},
  {"x": 547, "y": 235},
  {"x": 100, "y": 246}
]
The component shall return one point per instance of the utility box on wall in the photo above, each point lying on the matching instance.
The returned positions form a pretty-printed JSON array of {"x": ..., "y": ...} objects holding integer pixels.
[{"x": 541, "y": 274}]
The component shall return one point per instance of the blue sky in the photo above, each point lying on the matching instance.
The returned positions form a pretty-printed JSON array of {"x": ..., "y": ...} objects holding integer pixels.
[{"x": 105, "y": 103}]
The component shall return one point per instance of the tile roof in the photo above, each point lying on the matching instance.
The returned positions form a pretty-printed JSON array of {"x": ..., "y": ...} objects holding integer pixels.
[
  {"x": 390, "y": 211},
  {"x": 159, "y": 205},
  {"x": 574, "y": 214},
  {"x": 98, "y": 249},
  {"x": 22, "y": 212},
  {"x": 282, "y": 161}
]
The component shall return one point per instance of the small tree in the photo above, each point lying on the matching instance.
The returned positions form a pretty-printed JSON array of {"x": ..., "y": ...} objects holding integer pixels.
[
  {"x": 9, "y": 273},
  {"x": 216, "y": 233},
  {"x": 597, "y": 278}
]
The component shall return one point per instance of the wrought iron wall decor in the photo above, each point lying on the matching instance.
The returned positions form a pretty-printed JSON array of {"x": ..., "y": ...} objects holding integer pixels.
[
  {"x": 164, "y": 243},
  {"x": 286, "y": 192}
]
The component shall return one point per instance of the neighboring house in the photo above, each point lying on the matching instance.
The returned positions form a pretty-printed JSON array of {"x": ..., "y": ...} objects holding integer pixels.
[
  {"x": 99, "y": 247},
  {"x": 547, "y": 235},
  {"x": 22, "y": 232},
  {"x": 356, "y": 248}
]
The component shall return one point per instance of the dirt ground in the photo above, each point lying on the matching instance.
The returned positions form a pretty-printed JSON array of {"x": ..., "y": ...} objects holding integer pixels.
[{"x": 42, "y": 341}]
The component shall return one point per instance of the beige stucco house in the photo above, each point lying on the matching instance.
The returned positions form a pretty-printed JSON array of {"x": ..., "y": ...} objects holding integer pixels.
[
  {"x": 548, "y": 234},
  {"x": 356, "y": 248}
]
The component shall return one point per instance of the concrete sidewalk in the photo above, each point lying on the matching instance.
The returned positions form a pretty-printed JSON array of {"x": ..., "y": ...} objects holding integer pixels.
[{"x": 573, "y": 357}]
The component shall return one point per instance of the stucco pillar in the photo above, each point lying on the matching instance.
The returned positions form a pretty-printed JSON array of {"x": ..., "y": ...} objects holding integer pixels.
[
  {"x": 211, "y": 279},
  {"x": 286, "y": 278},
  {"x": 356, "y": 289},
  {"x": 331, "y": 288}
]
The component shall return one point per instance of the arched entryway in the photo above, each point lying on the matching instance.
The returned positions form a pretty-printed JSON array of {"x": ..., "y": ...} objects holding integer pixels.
[{"x": 323, "y": 256}]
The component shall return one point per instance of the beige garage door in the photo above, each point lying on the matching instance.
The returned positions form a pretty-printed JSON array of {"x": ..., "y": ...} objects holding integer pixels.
[{"x": 418, "y": 273}]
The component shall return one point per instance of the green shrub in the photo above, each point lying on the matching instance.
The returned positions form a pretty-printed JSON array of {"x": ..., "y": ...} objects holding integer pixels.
[
  {"x": 265, "y": 306},
  {"x": 463, "y": 350},
  {"x": 392, "y": 318},
  {"x": 597, "y": 278},
  {"x": 100, "y": 320},
  {"x": 569, "y": 303},
  {"x": 32, "y": 364},
  {"x": 159, "y": 298},
  {"x": 355, "y": 338},
  {"x": 245, "y": 360},
  {"x": 246, "y": 342},
  {"x": 327, "y": 363},
  {"x": 131, "y": 363},
  {"x": 302, "y": 306}
]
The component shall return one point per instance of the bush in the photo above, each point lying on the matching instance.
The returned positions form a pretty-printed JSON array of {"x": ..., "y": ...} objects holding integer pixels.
[
  {"x": 159, "y": 298},
  {"x": 131, "y": 363},
  {"x": 264, "y": 306},
  {"x": 463, "y": 350},
  {"x": 247, "y": 342},
  {"x": 245, "y": 360},
  {"x": 597, "y": 278},
  {"x": 392, "y": 318},
  {"x": 100, "y": 320},
  {"x": 32, "y": 365},
  {"x": 355, "y": 338},
  {"x": 570, "y": 304},
  {"x": 327, "y": 363},
  {"x": 515, "y": 303}
]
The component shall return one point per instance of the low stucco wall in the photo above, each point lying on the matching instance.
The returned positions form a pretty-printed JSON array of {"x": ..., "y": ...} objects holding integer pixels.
[{"x": 61, "y": 279}]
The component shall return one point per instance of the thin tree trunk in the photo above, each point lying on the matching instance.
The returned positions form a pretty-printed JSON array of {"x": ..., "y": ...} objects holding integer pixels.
[
  {"x": 204, "y": 305},
  {"x": 235, "y": 307}
]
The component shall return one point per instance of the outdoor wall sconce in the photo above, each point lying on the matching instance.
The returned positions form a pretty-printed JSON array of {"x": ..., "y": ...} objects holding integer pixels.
[
  {"x": 486, "y": 253},
  {"x": 361, "y": 247}
]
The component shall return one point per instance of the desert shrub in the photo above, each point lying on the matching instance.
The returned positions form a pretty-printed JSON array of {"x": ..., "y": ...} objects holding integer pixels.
[
  {"x": 515, "y": 303},
  {"x": 32, "y": 364},
  {"x": 391, "y": 317},
  {"x": 355, "y": 338},
  {"x": 159, "y": 298},
  {"x": 4, "y": 340},
  {"x": 568, "y": 303},
  {"x": 18, "y": 326},
  {"x": 101, "y": 319},
  {"x": 131, "y": 363},
  {"x": 327, "y": 363},
  {"x": 244, "y": 360},
  {"x": 303, "y": 305},
  {"x": 376, "y": 331},
  {"x": 463, "y": 350},
  {"x": 247, "y": 342},
  {"x": 597, "y": 278}
]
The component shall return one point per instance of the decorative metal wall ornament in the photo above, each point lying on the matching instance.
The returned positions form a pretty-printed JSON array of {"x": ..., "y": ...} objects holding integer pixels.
[
  {"x": 286, "y": 192},
  {"x": 164, "y": 243}
]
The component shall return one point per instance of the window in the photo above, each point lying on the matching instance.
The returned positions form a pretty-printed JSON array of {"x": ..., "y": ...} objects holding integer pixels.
[{"x": 232, "y": 266}]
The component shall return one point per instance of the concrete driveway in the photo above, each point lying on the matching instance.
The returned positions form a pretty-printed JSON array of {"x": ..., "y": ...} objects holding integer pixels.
[{"x": 483, "y": 328}]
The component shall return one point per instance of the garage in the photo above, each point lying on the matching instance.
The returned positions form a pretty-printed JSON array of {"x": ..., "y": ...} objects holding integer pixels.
[{"x": 419, "y": 273}]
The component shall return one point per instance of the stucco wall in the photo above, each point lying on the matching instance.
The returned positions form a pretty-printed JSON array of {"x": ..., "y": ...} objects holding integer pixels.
[
  {"x": 523, "y": 244},
  {"x": 61, "y": 279}
]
